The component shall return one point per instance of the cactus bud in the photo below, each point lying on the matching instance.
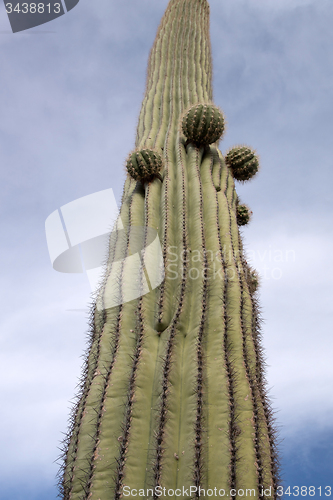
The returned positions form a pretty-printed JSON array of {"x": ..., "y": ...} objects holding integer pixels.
[
  {"x": 243, "y": 161},
  {"x": 243, "y": 214},
  {"x": 203, "y": 124},
  {"x": 253, "y": 280},
  {"x": 144, "y": 165}
]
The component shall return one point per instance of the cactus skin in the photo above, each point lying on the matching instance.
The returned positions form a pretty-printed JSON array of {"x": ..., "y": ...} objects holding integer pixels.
[
  {"x": 173, "y": 389},
  {"x": 243, "y": 214},
  {"x": 243, "y": 162},
  {"x": 203, "y": 124},
  {"x": 144, "y": 165}
]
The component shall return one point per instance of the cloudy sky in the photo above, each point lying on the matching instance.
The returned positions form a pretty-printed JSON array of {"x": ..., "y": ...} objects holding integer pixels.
[{"x": 71, "y": 92}]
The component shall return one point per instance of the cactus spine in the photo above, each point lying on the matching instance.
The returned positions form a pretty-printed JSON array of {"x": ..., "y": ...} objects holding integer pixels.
[{"x": 173, "y": 392}]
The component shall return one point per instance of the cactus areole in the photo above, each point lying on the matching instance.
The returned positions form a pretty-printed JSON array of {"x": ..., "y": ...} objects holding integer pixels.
[{"x": 172, "y": 402}]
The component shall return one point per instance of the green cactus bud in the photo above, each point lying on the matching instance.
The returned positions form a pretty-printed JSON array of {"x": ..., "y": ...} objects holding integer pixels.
[
  {"x": 253, "y": 280},
  {"x": 144, "y": 165},
  {"x": 203, "y": 124},
  {"x": 243, "y": 215},
  {"x": 173, "y": 390},
  {"x": 243, "y": 161}
]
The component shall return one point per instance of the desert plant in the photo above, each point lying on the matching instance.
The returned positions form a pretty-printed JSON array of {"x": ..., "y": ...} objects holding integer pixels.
[{"x": 173, "y": 390}]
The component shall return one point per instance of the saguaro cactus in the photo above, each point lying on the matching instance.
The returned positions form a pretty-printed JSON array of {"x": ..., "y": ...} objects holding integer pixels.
[{"x": 173, "y": 392}]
